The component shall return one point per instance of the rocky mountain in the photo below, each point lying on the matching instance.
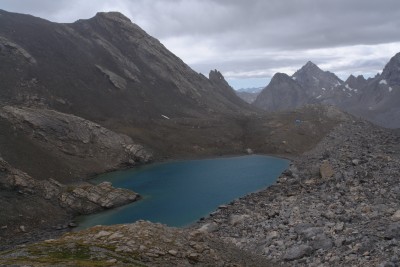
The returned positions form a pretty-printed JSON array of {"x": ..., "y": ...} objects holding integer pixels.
[
  {"x": 108, "y": 71},
  {"x": 356, "y": 82},
  {"x": 102, "y": 68},
  {"x": 375, "y": 99},
  {"x": 379, "y": 100},
  {"x": 249, "y": 94},
  {"x": 308, "y": 85},
  {"x": 316, "y": 82},
  {"x": 282, "y": 93}
]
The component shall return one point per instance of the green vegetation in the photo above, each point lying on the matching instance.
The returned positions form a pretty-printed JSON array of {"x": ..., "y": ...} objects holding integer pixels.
[{"x": 67, "y": 254}]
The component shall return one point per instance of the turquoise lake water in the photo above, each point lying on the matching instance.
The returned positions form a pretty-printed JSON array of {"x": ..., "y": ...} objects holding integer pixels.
[{"x": 180, "y": 193}]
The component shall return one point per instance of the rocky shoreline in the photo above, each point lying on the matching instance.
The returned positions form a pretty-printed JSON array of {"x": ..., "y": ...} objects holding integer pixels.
[{"x": 337, "y": 205}]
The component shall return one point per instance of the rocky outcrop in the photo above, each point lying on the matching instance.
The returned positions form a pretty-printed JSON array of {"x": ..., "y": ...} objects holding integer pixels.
[
  {"x": 116, "y": 80},
  {"x": 85, "y": 147},
  {"x": 81, "y": 198},
  {"x": 12, "y": 50},
  {"x": 86, "y": 199},
  {"x": 34, "y": 209},
  {"x": 337, "y": 205},
  {"x": 138, "y": 244}
]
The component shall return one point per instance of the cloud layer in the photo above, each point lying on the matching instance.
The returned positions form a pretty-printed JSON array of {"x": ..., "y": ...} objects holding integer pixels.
[{"x": 256, "y": 38}]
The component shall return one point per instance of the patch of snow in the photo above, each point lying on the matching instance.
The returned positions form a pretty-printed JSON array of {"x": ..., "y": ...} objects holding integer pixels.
[
  {"x": 165, "y": 117},
  {"x": 318, "y": 97},
  {"x": 343, "y": 90},
  {"x": 315, "y": 79},
  {"x": 294, "y": 78},
  {"x": 356, "y": 90},
  {"x": 348, "y": 87},
  {"x": 323, "y": 89},
  {"x": 383, "y": 82},
  {"x": 390, "y": 89}
]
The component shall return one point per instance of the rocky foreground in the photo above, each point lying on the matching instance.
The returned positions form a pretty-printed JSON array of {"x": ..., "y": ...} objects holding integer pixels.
[
  {"x": 337, "y": 205},
  {"x": 138, "y": 244}
]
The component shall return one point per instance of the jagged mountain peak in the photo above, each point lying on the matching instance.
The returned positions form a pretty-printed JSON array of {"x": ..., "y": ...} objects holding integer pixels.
[
  {"x": 313, "y": 79},
  {"x": 215, "y": 75},
  {"x": 391, "y": 72},
  {"x": 354, "y": 79}
]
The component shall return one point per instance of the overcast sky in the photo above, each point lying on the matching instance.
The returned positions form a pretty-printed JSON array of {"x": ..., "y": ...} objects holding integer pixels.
[{"x": 250, "y": 40}]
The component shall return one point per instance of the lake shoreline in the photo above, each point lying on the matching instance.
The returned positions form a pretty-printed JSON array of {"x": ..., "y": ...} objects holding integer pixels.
[{"x": 264, "y": 171}]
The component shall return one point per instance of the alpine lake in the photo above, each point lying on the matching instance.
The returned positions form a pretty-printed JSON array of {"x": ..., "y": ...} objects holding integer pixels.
[{"x": 179, "y": 193}]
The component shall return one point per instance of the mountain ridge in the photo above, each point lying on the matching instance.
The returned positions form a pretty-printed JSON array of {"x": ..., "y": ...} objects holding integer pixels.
[{"x": 373, "y": 98}]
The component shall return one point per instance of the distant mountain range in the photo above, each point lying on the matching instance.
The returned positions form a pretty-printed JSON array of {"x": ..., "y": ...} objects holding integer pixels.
[
  {"x": 249, "y": 94},
  {"x": 376, "y": 99}
]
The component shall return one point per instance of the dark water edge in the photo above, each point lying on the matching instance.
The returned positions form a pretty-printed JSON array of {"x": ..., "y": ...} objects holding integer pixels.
[{"x": 179, "y": 193}]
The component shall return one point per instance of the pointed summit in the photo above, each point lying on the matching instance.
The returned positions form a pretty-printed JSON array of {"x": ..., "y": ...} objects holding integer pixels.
[
  {"x": 221, "y": 86},
  {"x": 310, "y": 64},
  {"x": 308, "y": 69},
  {"x": 313, "y": 79},
  {"x": 217, "y": 78}
]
